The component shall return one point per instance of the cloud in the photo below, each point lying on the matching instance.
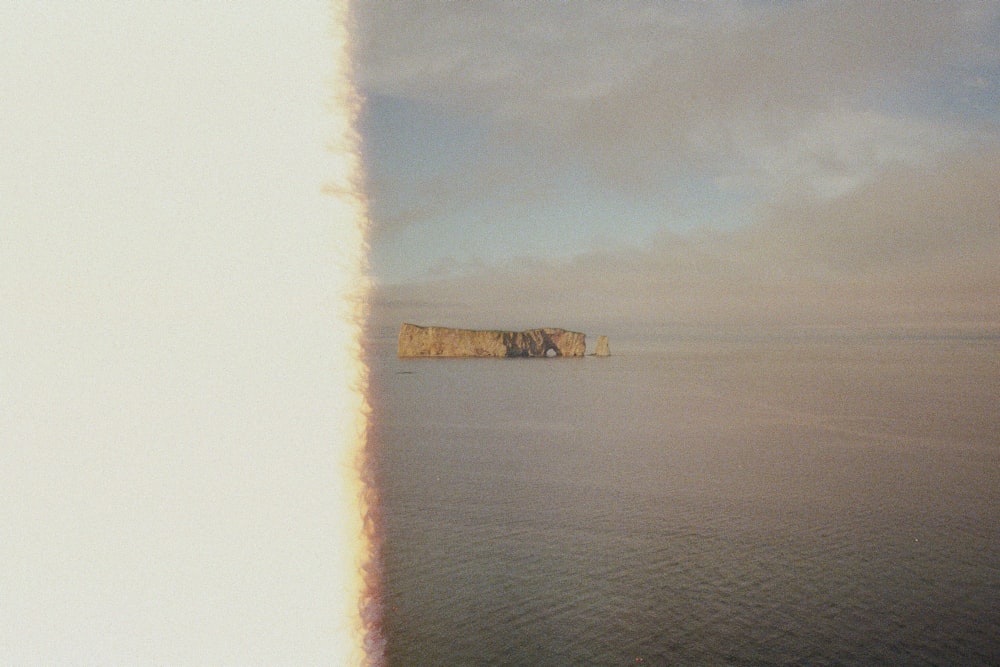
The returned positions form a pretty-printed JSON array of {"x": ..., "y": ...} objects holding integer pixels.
[
  {"x": 839, "y": 150},
  {"x": 917, "y": 246},
  {"x": 908, "y": 216},
  {"x": 621, "y": 84},
  {"x": 841, "y": 158},
  {"x": 743, "y": 100}
]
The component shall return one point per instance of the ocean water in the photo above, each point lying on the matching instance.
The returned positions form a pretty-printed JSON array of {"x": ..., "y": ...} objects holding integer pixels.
[{"x": 693, "y": 502}]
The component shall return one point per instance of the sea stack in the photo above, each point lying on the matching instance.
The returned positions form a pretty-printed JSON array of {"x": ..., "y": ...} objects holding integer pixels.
[
  {"x": 418, "y": 341},
  {"x": 602, "y": 349}
]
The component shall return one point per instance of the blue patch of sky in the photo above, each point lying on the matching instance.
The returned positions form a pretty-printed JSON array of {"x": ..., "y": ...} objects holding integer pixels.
[
  {"x": 960, "y": 87},
  {"x": 971, "y": 93},
  {"x": 397, "y": 131},
  {"x": 408, "y": 145},
  {"x": 573, "y": 219},
  {"x": 420, "y": 158}
]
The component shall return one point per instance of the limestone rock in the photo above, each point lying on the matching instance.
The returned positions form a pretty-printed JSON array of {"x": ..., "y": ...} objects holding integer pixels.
[
  {"x": 418, "y": 341},
  {"x": 602, "y": 349}
]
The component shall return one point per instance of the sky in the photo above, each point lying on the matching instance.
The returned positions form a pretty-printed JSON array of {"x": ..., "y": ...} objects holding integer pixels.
[
  {"x": 179, "y": 271},
  {"x": 720, "y": 165}
]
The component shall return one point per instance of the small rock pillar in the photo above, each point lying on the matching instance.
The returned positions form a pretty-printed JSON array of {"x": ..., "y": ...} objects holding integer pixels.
[{"x": 602, "y": 349}]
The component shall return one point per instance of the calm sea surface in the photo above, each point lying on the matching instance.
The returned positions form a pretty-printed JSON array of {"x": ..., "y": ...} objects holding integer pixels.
[{"x": 694, "y": 503}]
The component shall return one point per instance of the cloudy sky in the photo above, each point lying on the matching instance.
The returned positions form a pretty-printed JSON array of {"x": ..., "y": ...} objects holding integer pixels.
[{"x": 683, "y": 163}]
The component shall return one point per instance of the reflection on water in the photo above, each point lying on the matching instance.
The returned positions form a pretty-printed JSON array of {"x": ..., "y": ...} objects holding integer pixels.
[{"x": 705, "y": 502}]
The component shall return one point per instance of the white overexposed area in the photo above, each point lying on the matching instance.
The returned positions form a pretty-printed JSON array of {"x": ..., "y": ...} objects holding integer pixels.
[{"x": 173, "y": 339}]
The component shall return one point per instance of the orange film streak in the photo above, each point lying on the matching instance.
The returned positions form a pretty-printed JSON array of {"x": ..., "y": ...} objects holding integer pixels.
[{"x": 359, "y": 633}]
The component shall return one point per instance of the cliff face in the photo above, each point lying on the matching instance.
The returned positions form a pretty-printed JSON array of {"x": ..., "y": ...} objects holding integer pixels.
[{"x": 417, "y": 341}]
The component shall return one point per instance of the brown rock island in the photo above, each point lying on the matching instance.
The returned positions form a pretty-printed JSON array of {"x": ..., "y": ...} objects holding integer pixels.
[{"x": 418, "y": 341}]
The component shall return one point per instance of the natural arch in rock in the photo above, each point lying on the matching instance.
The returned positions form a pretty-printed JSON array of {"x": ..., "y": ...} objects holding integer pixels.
[{"x": 419, "y": 341}]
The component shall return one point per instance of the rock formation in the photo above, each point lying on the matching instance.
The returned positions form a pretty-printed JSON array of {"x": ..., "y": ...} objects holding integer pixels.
[
  {"x": 602, "y": 349},
  {"x": 417, "y": 341}
]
